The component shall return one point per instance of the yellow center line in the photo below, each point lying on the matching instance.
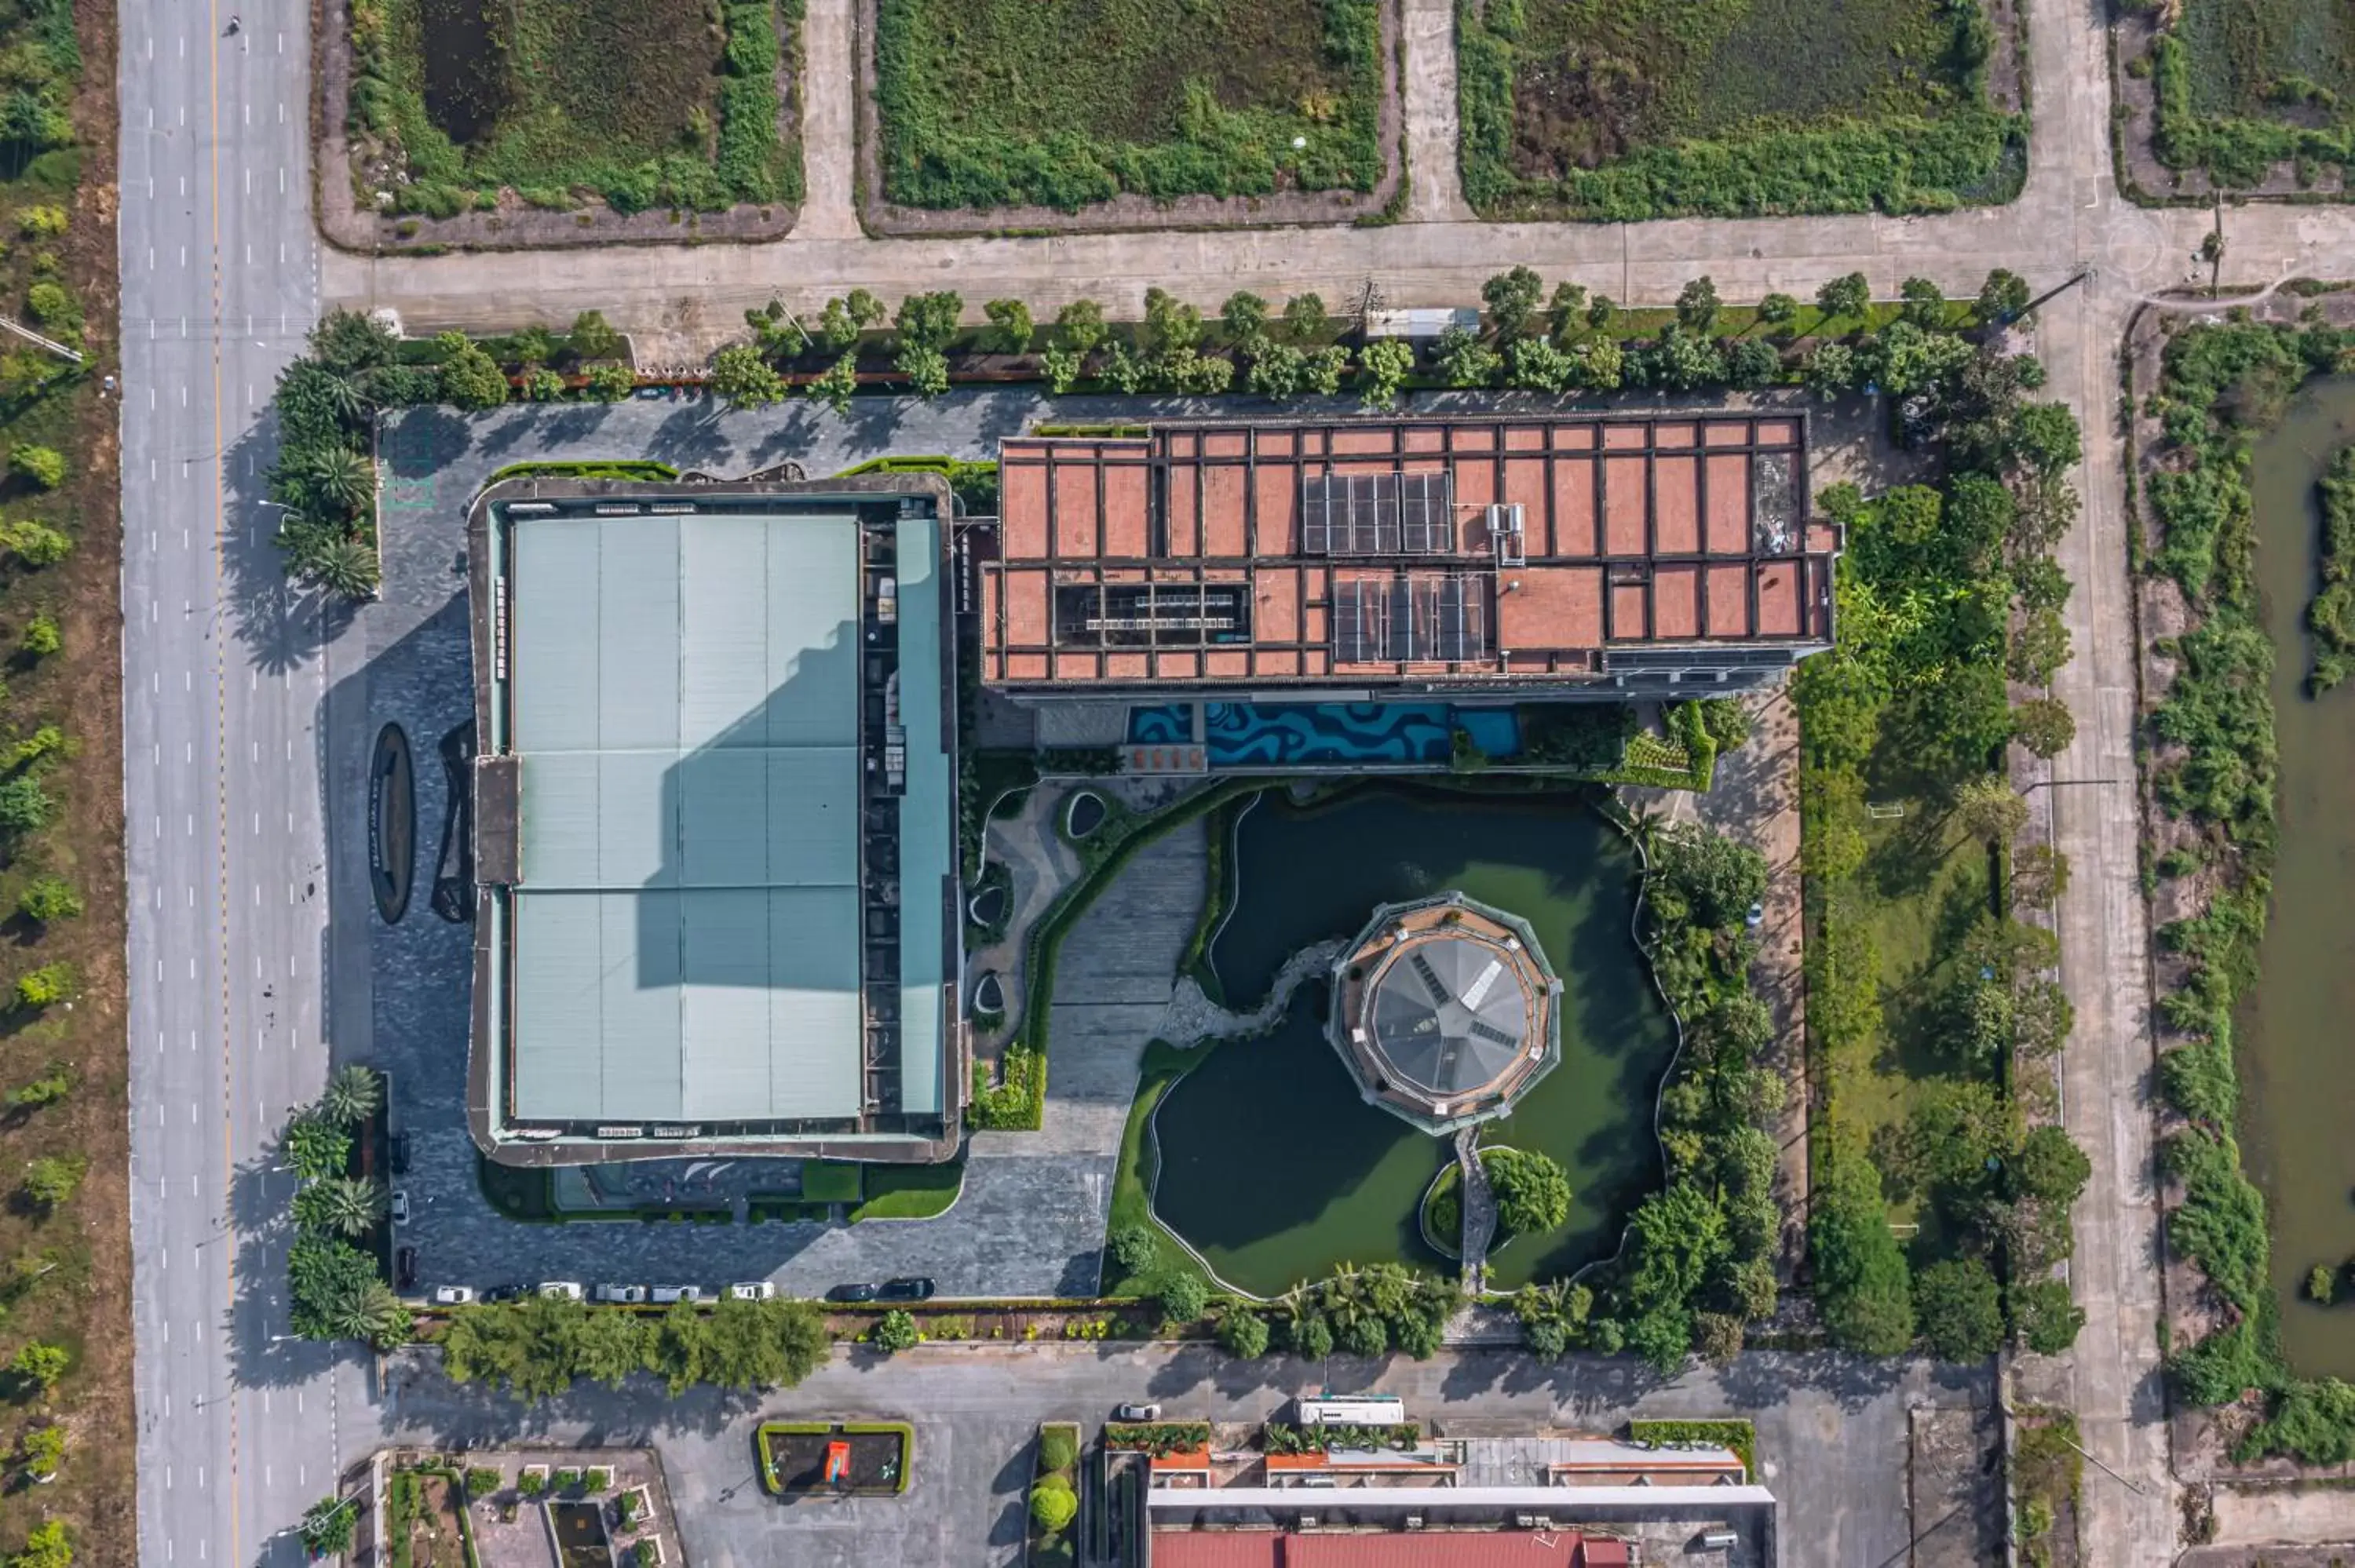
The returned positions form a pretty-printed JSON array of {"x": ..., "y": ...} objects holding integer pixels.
[{"x": 220, "y": 761}]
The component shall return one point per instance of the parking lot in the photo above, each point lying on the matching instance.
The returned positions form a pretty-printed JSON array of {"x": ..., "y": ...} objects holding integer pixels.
[{"x": 1834, "y": 1434}]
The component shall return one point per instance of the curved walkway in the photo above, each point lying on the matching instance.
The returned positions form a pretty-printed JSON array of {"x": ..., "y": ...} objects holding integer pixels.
[{"x": 1041, "y": 865}]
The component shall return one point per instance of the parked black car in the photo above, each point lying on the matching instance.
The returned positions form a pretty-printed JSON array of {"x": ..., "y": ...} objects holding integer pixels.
[
  {"x": 401, "y": 1154},
  {"x": 506, "y": 1293},
  {"x": 404, "y": 1269},
  {"x": 907, "y": 1288},
  {"x": 852, "y": 1293}
]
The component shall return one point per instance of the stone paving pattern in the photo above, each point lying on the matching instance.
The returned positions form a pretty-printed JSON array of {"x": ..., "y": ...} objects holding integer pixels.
[{"x": 1032, "y": 1216}]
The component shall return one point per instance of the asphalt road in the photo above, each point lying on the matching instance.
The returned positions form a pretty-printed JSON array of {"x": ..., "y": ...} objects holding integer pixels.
[{"x": 236, "y": 1431}]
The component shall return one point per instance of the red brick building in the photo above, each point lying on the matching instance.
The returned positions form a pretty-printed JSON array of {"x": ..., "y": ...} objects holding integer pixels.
[{"x": 1545, "y": 555}]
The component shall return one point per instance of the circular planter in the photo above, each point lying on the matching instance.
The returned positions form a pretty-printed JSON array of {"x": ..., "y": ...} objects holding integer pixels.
[
  {"x": 392, "y": 824},
  {"x": 988, "y": 905},
  {"x": 1083, "y": 815},
  {"x": 1445, "y": 1184},
  {"x": 989, "y": 994}
]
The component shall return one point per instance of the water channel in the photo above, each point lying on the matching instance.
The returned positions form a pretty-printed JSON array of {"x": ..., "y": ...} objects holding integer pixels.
[
  {"x": 1275, "y": 1169},
  {"x": 2300, "y": 1100}
]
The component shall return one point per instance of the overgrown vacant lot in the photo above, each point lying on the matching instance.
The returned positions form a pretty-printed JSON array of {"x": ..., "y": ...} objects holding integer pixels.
[
  {"x": 1636, "y": 108},
  {"x": 2246, "y": 84},
  {"x": 640, "y": 102},
  {"x": 1064, "y": 102}
]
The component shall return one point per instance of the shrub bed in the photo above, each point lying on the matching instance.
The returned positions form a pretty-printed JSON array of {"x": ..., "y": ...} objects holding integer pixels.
[
  {"x": 1739, "y": 1435},
  {"x": 1054, "y": 1503},
  {"x": 1724, "y": 108},
  {"x": 641, "y": 103},
  {"x": 2242, "y": 87},
  {"x": 1054, "y": 103}
]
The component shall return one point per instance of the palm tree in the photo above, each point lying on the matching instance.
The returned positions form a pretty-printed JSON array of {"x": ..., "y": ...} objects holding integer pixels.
[
  {"x": 371, "y": 1312},
  {"x": 351, "y": 1096},
  {"x": 344, "y": 568},
  {"x": 1644, "y": 826},
  {"x": 339, "y": 476},
  {"x": 348, "y": 1205}
]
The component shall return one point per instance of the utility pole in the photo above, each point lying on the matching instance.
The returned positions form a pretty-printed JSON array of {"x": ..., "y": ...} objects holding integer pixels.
[
  {"x": 2211, "y": 248},
  {"x": 2031, "y": 308},
  {"x": 1370, "y": 300}
]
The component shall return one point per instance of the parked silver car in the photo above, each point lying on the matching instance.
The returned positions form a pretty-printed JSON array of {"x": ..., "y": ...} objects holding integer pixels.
[
  {"x": 561, "y": 1289},
  {"x": 754, "y": 1290},
  {"x": 666, "y": 1295},
  {"x": 619, "y": 1294}
]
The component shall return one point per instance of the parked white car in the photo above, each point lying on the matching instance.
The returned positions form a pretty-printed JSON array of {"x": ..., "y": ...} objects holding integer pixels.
[
  {"x": 562, "y": 1289},
  {"x": 400, "y": 1207},
  {"x": 754, "y": 1290},
  {"x": 620, "y": 1294},
  {"x": 453, "y": 1295},
  {"x": 664, "y": 1295}
]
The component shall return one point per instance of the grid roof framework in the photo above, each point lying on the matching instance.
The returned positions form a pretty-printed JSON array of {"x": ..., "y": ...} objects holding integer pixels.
[
  {"x": 686, "y": 927},
  {"x": 1684, "y": 531}
]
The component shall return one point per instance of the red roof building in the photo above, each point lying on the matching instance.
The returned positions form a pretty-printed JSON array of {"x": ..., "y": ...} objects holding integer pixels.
[
  {"x": 1461, "y": 554},
  {"x": 1418, "y": 1549}
]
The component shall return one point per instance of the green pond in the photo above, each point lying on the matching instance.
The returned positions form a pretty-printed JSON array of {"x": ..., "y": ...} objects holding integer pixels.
[
  {"x": 2291, "y": 1031},
  {"x": 1271, "y": 1164}
]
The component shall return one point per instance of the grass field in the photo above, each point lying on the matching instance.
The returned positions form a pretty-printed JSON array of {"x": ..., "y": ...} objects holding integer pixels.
[
  {"x": 1923, "y": 885},
  {"x": 2244, "y": 85},
  {"x": 66, "y": 1281},
  {"x": 640, "y": 102},
  {"x": 1636, "y": 109},
  {"x": 1064, "y": 102}
]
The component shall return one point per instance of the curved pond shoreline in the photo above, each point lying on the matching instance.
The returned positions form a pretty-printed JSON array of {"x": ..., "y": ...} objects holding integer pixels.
[{"x": 1274, "y": 1168}]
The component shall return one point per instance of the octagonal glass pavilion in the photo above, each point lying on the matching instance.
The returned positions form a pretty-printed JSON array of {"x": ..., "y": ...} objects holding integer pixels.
[{"x": 1446, "y": 1010}]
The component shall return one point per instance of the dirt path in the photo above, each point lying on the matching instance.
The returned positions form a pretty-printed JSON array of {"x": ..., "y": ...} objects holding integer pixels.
[
  {"x": 1436, "y": 194},
  {"x": 829, "y": 120}
]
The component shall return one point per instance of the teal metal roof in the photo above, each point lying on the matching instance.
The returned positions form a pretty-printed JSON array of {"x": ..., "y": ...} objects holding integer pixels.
[
  {"x": 925, "y": 819},
  {"x": 685, "y": 700}
]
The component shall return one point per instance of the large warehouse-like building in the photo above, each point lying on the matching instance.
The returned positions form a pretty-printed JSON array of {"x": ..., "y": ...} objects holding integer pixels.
[{"x": 713, "y": 819}]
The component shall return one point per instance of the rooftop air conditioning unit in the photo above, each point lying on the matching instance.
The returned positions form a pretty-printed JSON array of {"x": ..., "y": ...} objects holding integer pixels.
[
  {"x": 1505, "y": 530},
  {"x": 1307, "y": 1521},
  {"x": 1414, "y": 1521}
]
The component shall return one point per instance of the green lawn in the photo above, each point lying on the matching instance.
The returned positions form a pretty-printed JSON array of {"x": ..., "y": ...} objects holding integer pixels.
[
  {"x": 830, "y": 1181},
  {"x": 1636, "y": 108},
  {"x": 1064, "y": 103},
  {"x": 1132, "y": 1183},
  {"x": 909, "y": 1191},
  {"x": 640, "y": 102},
  {"x": 1924, "y": 882}
]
